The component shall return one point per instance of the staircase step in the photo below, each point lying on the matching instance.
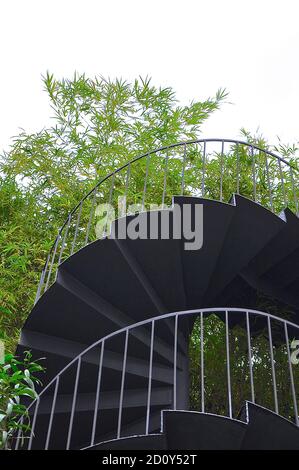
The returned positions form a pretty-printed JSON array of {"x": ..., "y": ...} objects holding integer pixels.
[
  {"x": 268, "y": 431},
  {"x": 250, "y": 231},
  {"x": 102, "y": 268},
  {"x": 281, "y": 246},
  {"x": 191, "y": 430}
]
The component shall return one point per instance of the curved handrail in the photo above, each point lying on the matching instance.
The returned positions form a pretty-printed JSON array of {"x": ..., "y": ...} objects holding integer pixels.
[
  {"x": 127, "y": 166},
  {"x": 161, "y": 149},
  {"x": 249, "y": 314}
]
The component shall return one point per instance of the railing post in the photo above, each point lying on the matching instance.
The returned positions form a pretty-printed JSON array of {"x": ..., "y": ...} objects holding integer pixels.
[
  {"x": 228, "y": 366},
  {"x": 250, "y": 358},
  {"x": 253, "y": 173},
  {"x": 76, "y": 228},
  {"x": 175, "y": 354},
  {"x": 183, "y": 172},
  {"x": 19, "y": 434},
  {"x": 221, "y": 171},
  {"x": 202, "y": 372},
  {"x": 294, "y": 191},
  {"x": 52, "y": 413},
  {"x": 52, "y": 261},
  {"x": 105, "y": 233},
  {"x": 165, "y": 179},
  {"x": 90, "y": 215},
  {"x": 127, "y": 179},
  {"x": 203, "y": 170},
  {"x": 149, "y": 390},
  {"x": 121, "y": 398},
  {"x": 73, "y": 405},
  {"x": 282, "y": 183},
  {"x": 33, "y": 423},
  {"x": 145, "y": 181},
  {"x": 96, "y": 405},
  {"x": 269, "y": 183},
  {"x": 64, "y": 239},
  {"x": 238, "y": 170},
  {"x": 291, "y": 375},
  {"x": 41, "y": 281}
]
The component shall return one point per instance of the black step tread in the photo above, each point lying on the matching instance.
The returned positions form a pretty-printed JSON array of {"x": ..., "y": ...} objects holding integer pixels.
[
  {"x": 268, "y": 431},
  {"x": 113, "y": 314},
  {"x": 69, "y": 302},
  {"x": 159, "y": 259},
  {"x": 102, "y": 268},
  {"x": 192, "y": 430}
]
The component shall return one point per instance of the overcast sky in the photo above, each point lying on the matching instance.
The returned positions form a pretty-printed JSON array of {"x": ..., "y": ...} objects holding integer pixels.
[{"x": 195, "y": 46}]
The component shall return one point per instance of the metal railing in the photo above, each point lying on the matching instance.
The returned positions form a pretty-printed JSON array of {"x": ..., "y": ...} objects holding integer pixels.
[
  {"x": 209, "y": 168},
  {"x": 251, "y": 360}
]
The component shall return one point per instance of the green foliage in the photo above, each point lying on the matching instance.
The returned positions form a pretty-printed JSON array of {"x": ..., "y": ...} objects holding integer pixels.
[
  {"x": 17, "y": 381},
  {"x": 98, "y": 125}
]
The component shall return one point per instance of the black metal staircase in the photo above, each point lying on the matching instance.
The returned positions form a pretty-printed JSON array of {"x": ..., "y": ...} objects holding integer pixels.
[{"x": 116, "y": 354}]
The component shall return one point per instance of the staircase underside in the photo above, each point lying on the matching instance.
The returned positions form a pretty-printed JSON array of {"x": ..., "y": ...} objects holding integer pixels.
[{"x": 248, "y": 253}]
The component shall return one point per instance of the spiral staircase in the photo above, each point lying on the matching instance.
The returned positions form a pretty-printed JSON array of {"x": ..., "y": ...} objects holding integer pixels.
[{"x": 113, "y": 316}]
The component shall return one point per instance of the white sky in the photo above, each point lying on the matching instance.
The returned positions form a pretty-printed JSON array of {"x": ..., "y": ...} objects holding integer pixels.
[{"x": 250, "y": 47}]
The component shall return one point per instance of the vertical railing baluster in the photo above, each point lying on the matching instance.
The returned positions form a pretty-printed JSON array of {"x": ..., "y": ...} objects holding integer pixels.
[
  {"x": 202, "y": 372},
  {"x": 291, "y": 374},
  {"x": 76, "y": 228},
  {"x": 64, "y": 238},
  {"x": 52, "y": 261},
  {"x": 282, "y": 183},
  {"x": 42, "y": 280},
  {"x": 203, "y": 170},
  {"x": 294, "y": 191},
  {"x": 91, "y": 215},
  {"x": 229, "y": 389},
  {"x": 69, "y": 436},
  {"x": 238, "y": 170},
  {"x": 272, "y": 366},
  {"x": 33, "y": 423},
  {"x": 253, "y": 173},
  {"x": 105, "y": 233},
  {"x": 175, "y": 354},
  {"x": 165, "y": 179},
  {"x": 121, "y": 397},
  {"x": 150, "y": 373},
  {"x": 269, "y": 183},
  {"x": 96, "y": 405},
  {"x": 221, "y": 171},
  {"x": 183, "y": 172},
  {"x": 52, "y": 413},
  {"x": 145, "y": 181},
  {"x": 250, "y": 358}
]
